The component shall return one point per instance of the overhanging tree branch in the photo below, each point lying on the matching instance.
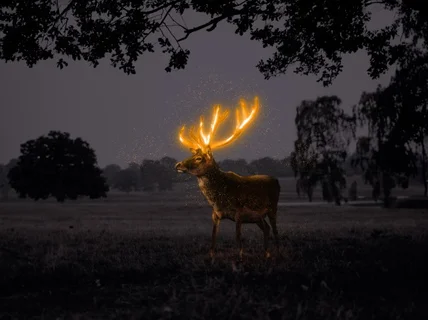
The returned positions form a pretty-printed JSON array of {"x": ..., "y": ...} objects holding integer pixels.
[
  {"x": 164, "y": 6},
  {"x": 62, "y": 14},
  {"x": 211, "y": 25},
  {"x": 309, "y": 39}
]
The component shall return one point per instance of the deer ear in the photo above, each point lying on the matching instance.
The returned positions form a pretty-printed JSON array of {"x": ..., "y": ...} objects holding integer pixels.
[
  {"x": 193, "y": 151},
  {"x": 209, "y": 152}
]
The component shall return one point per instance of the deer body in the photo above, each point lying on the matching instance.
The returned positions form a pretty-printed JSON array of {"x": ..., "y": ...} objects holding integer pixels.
[
  {"x": 242, "y": 199},
  {"x": 230, "y": 194}
]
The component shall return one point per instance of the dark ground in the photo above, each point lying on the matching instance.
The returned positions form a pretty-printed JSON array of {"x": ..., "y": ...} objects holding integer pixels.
[{"x": 139, "y": 261}]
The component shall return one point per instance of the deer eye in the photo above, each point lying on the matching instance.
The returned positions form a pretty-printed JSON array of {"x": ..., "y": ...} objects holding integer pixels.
[{"x": 198, "y": 159}]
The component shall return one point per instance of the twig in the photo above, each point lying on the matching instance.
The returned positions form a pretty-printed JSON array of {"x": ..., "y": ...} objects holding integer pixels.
[
  {"x": 212, "y": 24},
  {"x": 172, "y": 34},
  {"x": 161, "y": 7},
  {"x": 178, "y": 24},
  {"x": 61, "y": 15},
  {"x": 165, "y": 16}
]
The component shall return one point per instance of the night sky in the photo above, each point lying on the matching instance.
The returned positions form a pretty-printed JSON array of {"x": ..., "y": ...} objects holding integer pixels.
[{"x": 128, "y": 118}]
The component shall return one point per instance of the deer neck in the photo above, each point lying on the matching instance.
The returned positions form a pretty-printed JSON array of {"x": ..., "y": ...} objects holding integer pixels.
[
  {"x": 209, "y": 183},
  {"x": 210, "y": 176}
]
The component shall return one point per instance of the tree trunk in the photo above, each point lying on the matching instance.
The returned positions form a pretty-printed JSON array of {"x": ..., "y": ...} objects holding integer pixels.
[
  {"x": 381, "y": 165},
  {"x": 376, "y": 191},
  {"x": 335, "y": 192},
  {"x": 310, "y": 191},
  {"x": 424, "y": 165},
  {"x": 387, "y": 188}
]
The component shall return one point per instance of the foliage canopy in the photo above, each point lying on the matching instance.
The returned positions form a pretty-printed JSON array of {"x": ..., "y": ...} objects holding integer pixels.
[{"x": 310, "y": 36}]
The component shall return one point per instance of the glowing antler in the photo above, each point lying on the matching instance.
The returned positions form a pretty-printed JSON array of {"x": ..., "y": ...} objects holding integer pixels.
[
  {"x": 200, "y": 139},
  {"x": 246, "y": 117}
]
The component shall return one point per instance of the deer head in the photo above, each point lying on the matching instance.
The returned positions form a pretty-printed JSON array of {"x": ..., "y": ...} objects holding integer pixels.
[{"x": 201, "y": 143}]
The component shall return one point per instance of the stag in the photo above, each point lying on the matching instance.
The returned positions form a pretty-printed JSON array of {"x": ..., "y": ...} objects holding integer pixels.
[{"x": 242, "y": 199}]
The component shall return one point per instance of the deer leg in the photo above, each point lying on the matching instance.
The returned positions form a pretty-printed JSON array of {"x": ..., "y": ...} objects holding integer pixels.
[
  {"x": 272, "y": 220},
  {"x": 238, "y": 236},
  {"x": 262, "y": 224},
  {"x": 216, "y": 223}
]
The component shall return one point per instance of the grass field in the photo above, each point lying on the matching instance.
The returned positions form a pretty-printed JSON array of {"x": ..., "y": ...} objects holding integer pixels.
[{"x": 146, "y": 257}]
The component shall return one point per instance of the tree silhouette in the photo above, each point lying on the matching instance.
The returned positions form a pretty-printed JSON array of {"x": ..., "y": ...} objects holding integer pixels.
[
  {"x": 110, "y": 172},
  {"x": 239, "y": 166},
  {"x": 158, "y": 173},
  {"x": 164, "y": 177},
  {"x": 268, "y": 165},
  {"x": 386, "y": 154},
  {"x": 324, "y": 133},
  {"x": 4, "y": 181},
  {"x": 409, "y": 87},
  {"x": 135, "y": 168},
  {"x": 149, "y": 171},
  {"x": 327, "y": 192},
  {"x": 353, "y": 192},
  {"x": 169, "y": 174},
  {"x": 126, "y": 180},
  {"x": 304, "y": 162},
  {"x": 286, "y": 166},
  {"x": 58, "y": 166},
  {"x": 3, "y": 178},
  {"x": 309, "y": 36},
  {"x": 168, "y": 163},
  {"x": 366, "y": 158}
]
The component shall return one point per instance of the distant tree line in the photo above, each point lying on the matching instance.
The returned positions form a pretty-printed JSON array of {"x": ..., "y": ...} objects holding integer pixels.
[
  {"x": 55, "y": 165},
  {"x": 160, "y": 175},
  {"x": 150, "y": 175},
  {"x": 392, "y": 151}
]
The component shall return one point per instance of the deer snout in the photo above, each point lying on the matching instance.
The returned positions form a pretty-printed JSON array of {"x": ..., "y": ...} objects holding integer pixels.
[{"x": 179, "y": 167}]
